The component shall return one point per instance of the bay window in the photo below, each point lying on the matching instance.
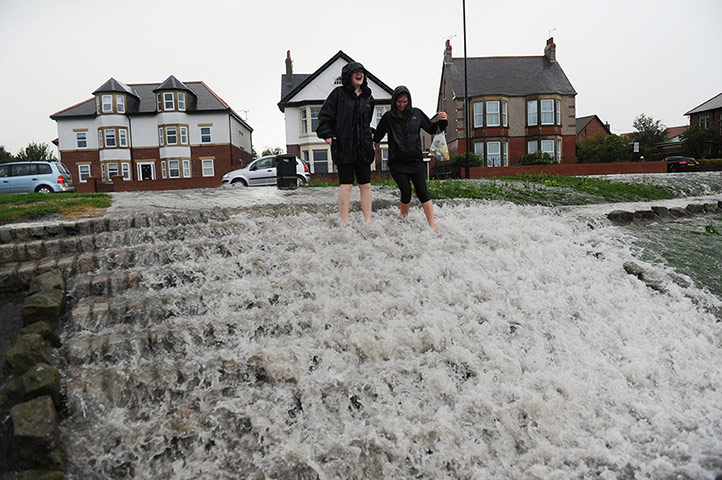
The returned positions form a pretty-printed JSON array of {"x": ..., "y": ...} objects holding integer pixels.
[
  {"x": 107, "y": 104},
  {"x": 171, "y": 135},
  {"x": 493, "y": 152},
  {"x": 174, "y": 168},
  {"x": 531, "y": 112},
  {"x": 547, "y": 112},
  {"x": 110, "y": 137},
  {"x": 120, "y": 103},
  {"x": 122, "y": 137},
  {"x": 492, "y": 113},
  {"x": 478, "y": 114},
  {"x": 181, "y": 101},
  {"x": 186, "y": 168},
  {"x": 320, "y": 161},
  {"x": 168, "y": 103},
  {"x": 547, "y": 146}
]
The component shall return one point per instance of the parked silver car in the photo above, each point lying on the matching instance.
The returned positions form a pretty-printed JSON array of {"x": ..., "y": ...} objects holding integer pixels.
[
  {"x": 40, "y": 177},
  {"x": 262, "y": 171}
]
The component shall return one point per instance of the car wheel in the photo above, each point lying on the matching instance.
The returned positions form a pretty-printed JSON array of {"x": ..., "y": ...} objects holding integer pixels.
[
  {"x": 239, "y": 182},
  {"x": 301, "y": 180},
  {"x": 44, "y": 189}
]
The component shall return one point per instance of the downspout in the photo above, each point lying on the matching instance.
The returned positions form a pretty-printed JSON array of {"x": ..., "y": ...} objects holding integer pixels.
[{"x": 230, "y": 140}]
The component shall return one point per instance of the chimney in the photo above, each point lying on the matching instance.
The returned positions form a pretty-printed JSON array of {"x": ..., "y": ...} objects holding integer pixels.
[
  {"x": 289, "y": 68},
  {"x": 608, "y": 127},
  {"x": 447, "y": 51},
  {"x": 550, "y": 51}
]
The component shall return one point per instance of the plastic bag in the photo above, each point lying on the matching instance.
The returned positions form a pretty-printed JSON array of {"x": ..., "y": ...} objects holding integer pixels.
[{"x": 439, "y": 150}]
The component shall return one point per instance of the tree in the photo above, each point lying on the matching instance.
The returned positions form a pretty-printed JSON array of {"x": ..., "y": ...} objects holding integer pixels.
[
  {"x": 604, "y": 149},
  {"x": 36, "y": 152},
  {"x": 650, "y": 132},
  {"x": 5, "y": 156},
  {"x": 701, "y": 142},
  {"x": 272, "y": 151}
]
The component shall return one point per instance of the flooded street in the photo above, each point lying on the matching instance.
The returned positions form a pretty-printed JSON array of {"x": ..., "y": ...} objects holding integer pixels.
[{"x": 276, "y": 344}]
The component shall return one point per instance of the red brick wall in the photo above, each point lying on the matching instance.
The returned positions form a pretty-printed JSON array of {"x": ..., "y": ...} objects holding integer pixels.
[
  {"x": 571, "y": 169},
  {"x": 594, "y": 127}
]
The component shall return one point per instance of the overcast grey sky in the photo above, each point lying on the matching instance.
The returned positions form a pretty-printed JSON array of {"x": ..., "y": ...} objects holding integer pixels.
[{"x": 661, "y": 58}]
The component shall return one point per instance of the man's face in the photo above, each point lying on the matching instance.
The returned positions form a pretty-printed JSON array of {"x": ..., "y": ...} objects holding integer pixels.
[{"x": 357, "y": 78}]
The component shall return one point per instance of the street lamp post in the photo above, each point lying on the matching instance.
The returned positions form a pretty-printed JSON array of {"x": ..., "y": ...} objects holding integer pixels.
[{"x": 466, "y": 98}]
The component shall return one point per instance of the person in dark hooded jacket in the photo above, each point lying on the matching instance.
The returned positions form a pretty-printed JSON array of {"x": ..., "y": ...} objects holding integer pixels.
[
  {"x": 403, "y": 124},
  {"x": 344, "y": 124}
]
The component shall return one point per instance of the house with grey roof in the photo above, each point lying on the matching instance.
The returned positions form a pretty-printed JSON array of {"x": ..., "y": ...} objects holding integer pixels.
[
  {"x": 152, "y": 136},
  {"x": 302, "y": 96},
  {"x": 516, "y": 105},
  {"x": 708, "y": 114}
]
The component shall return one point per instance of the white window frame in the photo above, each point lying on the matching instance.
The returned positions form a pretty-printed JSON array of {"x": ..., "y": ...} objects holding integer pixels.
[
  {"x": 107, "y": 102},
  {"x": 161, "y": 137},
  {"x": 313, "y": 156},
  {"x": 493, "y": 154},
  {"x": 385, "y": 159},
  {"x": 559, "y": 151},
  {"x": 492, "y": 117},
  {"x": 102, "y": 172},
  {"x": 168, "y": 99},
  {"x": 181, "y": 101},
  {"x": 163, "y": 169},
  {"x": 122, "y": 137},
  {"x": 171, "y": 132},
  {"x": 101, "y": 141},
  {"x": 184, "y": 135},
  {"x": 174, "y": 169},
  {"x": 79, "y": 140},
  {"x": 120, "y": 103},
  {"x": 532, "y": 117},
  {"x": 159, "y": 102},
  {"x": 112, "y": 172},
  {"x": 505, "y": 154},
  {"x": 210, "y": 138},
  {"x": 125, "y": 170},
  {"x": 532, "y": 146},
  {"x": 304, "y": 121},
  {"x": 317, "y": 111},
  {"x": 479, "y": 149},
  {"x": 208, "y": 167},
  {"x": 109, "y": 134},
  {"x": 97, "y": 105},
  {"x": 83, "y": 172},
  {"x": 558, "y": 112},
  {"x": 186, "y": 168},
  {"x": 478, "y": 114},
  {"x": 505, "y": 113},
  {"x": 548, "y": 112},
  {"x": 548, "y": 143}
]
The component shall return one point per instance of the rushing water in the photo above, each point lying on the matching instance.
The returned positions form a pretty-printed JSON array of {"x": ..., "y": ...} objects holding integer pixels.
[{"x": 514, "y": 346}]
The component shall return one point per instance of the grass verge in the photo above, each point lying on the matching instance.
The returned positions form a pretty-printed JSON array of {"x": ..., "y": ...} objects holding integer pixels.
[{"x": 17, "y": 206}]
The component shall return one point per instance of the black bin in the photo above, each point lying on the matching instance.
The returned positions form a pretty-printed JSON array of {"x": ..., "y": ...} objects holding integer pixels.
[{"x": 286, "y": 171}]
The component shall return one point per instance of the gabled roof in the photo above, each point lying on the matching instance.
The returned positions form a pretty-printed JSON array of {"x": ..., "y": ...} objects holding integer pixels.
[
  {"x": 113, "y": 85},
  {"x": 205, "y": 100},
  {"x": 511, "y": 76},
  {"x": 299, "y": 81},
  {"x": 582, "y": 123},
  {"x": 712, "y": 104},
  {"x": 172, "y": 83}
]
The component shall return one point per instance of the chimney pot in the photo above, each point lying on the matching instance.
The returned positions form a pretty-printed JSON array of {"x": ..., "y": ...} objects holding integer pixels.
[
  {"x": 447, "y": 51},
  {"x": 550, "y": 51}
]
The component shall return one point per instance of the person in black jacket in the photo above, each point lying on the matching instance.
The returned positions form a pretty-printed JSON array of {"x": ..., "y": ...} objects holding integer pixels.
[
  {"x": 403, "y": 123},
  {"x": 344, "y": 124}
]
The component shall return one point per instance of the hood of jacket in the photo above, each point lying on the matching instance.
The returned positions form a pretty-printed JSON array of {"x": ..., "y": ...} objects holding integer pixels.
[
  {"x": 400, "y": 91},
  {"x": 346, "y": 72}
]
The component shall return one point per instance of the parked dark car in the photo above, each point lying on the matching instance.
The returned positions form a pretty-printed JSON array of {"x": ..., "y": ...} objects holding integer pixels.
[
  {"x": 678, "y": 163},
  {"x": 40, "y": 177}
]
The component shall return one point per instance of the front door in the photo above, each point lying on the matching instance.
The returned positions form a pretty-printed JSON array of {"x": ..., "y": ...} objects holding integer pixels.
[{"x": 146, "y": 172}]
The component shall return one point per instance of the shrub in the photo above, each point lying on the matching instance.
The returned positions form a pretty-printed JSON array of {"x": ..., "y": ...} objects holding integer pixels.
[
  {"x": 475, "y": 160},
  {"x": 536, "y": 158}
]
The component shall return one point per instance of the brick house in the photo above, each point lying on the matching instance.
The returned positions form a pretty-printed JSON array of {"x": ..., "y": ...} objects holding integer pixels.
[
  {"x": 302, "y": 96},
  {"x": 151, "y": 136},
  {"x": 518, "y": 105},
  {"x": 708, "y": 115},
  {"x": 591, "y": 125}
]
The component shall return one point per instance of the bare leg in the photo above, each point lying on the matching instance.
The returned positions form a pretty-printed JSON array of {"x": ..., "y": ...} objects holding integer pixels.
[
  {"x": 429, "y": 212},
  {"x": 365, "y": 200},
  {"x": 344, "y": 199},
  {"x": 404, "y": 208}
]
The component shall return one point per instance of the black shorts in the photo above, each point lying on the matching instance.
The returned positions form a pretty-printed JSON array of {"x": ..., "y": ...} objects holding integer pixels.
[{"x": 347, "y": 171}]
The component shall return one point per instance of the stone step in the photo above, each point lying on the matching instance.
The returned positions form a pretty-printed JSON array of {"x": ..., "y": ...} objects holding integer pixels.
[
  {"x": 44, "y": 249},
  {"x": 89, "y": 226}
]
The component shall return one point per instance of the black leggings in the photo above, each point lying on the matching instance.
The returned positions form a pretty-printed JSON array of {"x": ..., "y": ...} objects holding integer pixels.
[{"x": 403, "y": 180}]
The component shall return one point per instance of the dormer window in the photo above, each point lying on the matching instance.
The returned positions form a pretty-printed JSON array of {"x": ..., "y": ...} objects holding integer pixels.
[
  {"x": 109, "y": 103},
  {"x": 168, "y": 103},
  {"x": 171, "y": 101},
  {"x": 181, "y": 101}
]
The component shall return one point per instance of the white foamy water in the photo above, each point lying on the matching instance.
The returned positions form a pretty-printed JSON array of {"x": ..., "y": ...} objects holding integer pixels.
[{"x": 514, "y": 346}]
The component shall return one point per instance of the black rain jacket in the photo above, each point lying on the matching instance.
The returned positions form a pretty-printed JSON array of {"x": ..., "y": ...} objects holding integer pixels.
[
  {"x": 404, "y": 130},
  {"x": 346, "y": 117}
]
